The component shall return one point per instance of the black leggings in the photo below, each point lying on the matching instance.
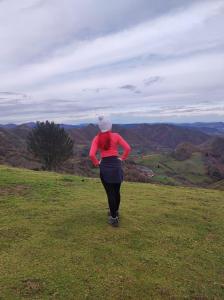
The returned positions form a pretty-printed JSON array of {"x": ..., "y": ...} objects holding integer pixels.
[{"x": 113, "y": 196}]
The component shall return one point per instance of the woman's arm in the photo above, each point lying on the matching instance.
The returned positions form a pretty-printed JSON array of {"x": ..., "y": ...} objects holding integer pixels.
[
  {"x": 125, "y": 146},
  {"x": 92, "y": 152}
]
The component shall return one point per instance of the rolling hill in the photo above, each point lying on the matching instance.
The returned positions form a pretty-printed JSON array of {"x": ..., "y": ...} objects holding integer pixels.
[
  {"x": 208, "y": 127},
  {"x": 145, "y": 139},
  {"x": 55, "y": 242},
  {"x": 142, "y": 137},
  {"x": 168, "y": 170}
]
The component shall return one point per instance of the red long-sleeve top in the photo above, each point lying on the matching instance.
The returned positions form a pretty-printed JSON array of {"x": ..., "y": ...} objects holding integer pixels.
[{"x": 116, "y": 140}]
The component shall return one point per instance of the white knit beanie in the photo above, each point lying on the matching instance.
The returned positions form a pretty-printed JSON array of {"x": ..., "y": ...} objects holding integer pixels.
[{"x": 104, "y": 123}]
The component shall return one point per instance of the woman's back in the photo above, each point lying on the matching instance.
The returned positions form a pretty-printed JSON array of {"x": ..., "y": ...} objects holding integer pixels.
[{"x": 115, "y": 141}]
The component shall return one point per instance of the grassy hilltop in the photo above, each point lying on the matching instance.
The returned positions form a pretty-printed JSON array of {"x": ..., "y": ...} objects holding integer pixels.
[{"x": 55, "y": 242}]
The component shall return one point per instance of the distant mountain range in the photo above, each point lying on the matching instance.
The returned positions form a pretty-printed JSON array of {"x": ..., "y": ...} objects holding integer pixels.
[
  {"x": 181, "y": 139},
  {"x": 32, "y": 125},
  {"x": 143, "y": 137},
  {"x": 209, "y": 128}
]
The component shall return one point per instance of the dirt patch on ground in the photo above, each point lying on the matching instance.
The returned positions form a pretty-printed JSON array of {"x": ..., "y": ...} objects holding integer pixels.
[
  {"x": 166, "y": 294},
  {"x": 30, "y": 287},
  {"x": 14, "y": 234},
  {"x": 14, "y": 190},
  {"x": 210, "y": 237}
]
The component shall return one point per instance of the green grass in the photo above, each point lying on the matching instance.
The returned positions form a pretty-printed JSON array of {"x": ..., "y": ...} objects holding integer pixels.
[
  {"x": 55, "y": 242},
  {"x": 171, "y": 171}
]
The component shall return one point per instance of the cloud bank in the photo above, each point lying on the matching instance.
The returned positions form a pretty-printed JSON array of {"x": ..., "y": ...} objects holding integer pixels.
[{"x": 70, "y": 60}]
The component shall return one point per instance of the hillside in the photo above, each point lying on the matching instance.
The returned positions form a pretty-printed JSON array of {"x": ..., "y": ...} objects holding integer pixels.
[
  {"x": 55, "y": 243},
  {"x": 168, "y": 170},
  {"x": 209, "y": 128},
  {"x": 218, "y": 185},
  {"x": 143, "y": 138}
]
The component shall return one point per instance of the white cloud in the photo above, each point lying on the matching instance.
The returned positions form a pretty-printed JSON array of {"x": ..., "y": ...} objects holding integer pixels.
[{"x": 47, "y": 60}]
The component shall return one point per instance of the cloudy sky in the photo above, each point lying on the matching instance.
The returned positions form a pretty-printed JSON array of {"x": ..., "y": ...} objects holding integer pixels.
[{"x": 135, "y": 60}]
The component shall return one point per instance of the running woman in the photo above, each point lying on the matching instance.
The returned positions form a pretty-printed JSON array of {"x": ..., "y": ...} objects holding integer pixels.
[{"x": 111, "y": 172}]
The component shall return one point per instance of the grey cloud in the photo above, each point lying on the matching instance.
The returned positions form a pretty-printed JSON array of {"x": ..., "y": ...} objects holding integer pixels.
[
  {"x": 131, "y": 88},
  {"x": 76, "y": 56},
  {"x": 97, "y": 90},
  {"x": 9, "y": 102},
  {"x": 152, "y": 80},
  {"x": 128, "y": 87},
  {"x": 48, "y": 107},
  {"x": 55, "y": 24},
  {"x": 13, "y": 94}
]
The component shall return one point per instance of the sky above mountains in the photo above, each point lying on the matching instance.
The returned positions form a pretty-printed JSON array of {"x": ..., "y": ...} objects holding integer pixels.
[{"x": 135, "y": 60}]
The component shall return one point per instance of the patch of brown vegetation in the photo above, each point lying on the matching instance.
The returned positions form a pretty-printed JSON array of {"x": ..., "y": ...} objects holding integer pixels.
[
  {"x": 30, "y": 287},
  {"x": 14, "y": 190},
  {"x": 210, "y": 237},
  {"x": 199, "y": 298},
  {"x": 166, "y": 294},
  {"x": 14, "y": 234}
]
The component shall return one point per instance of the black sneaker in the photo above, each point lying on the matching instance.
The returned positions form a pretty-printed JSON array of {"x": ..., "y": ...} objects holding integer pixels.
[
  {"x": 109, "y": 214},
  {"x": 113, "y": 221}
]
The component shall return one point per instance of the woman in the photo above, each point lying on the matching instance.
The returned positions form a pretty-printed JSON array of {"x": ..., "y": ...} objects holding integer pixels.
[{"x": 111, "y": 173}]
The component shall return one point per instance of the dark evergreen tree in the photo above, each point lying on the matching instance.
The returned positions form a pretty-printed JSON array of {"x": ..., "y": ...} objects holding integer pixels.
[{"x": 50, "y": 143}]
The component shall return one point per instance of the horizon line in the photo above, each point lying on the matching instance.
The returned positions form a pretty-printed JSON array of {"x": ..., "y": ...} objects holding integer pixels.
[{"x": 115, "y": 123}]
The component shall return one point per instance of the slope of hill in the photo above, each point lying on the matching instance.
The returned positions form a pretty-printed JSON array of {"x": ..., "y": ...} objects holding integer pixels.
[
  {"x": 145, "y": 136},
  {"x": 160, "y": 136},
  {"x": 8, "y": 126},
  {"x": 142, "y": 137},
  {"x": 55, "y": 243},
  {"x": 219, "y": 185},
  {"x": 168, "y": 170},
  {"x": 13, "y": 148}
]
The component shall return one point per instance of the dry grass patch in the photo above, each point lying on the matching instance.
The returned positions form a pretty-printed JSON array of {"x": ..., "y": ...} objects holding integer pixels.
[{"x": 14, "y": 190}]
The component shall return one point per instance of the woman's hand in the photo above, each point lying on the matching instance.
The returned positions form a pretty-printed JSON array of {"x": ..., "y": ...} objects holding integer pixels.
[{"x": 120, "y": 158}]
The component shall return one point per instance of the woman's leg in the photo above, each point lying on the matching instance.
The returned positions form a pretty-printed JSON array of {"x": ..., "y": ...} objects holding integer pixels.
[
  {"x": 117, "y": 187},
  {"x": 111, "y": 196}
]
